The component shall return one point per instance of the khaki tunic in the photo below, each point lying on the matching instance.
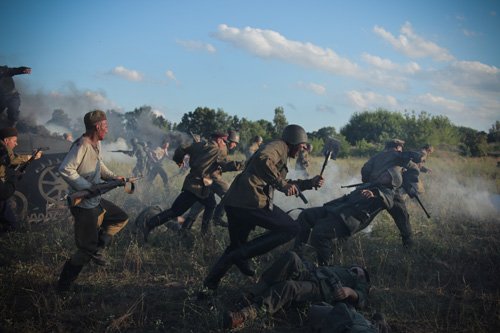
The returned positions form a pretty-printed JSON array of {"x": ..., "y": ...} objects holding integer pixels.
[
  {"x": 264, "y": 172},
  {"x": 15, "y": 159},
  {"x": 384, "y": 160},
  {"x": 252, "y": 149},
  {"x": 207, "y": 161}
]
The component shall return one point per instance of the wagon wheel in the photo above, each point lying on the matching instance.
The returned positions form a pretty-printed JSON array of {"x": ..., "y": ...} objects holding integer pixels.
[{"x": 51, "y": 186}]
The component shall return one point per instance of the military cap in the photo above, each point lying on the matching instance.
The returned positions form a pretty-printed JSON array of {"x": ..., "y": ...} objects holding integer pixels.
[
  {"x": 394, "y": 143},
  {"x": 7, "y": 132},
  {"x": 93, "y": 117}
]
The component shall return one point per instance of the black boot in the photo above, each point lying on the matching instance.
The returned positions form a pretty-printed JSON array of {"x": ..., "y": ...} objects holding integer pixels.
[
  {"x": 99, "y": 257},
  {"x": 218, "y": 271},
  {"x": 244, "y": 266},
  {"x": 68, "y": 276},
  {"x": 261, "y": 245},
  {"x": 156, "y": 221},
  {"x": 188, "y": 223}
]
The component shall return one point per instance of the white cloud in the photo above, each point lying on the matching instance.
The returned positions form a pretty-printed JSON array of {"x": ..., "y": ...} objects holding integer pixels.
[
  {"x": 469, "y": 33},
  {"x": 442, "y": 103},
  {"x": 318, "y": 89},
  {"x": 128, "y": 74},
  {"x": 386, "y": 64},
  {"x": 371, "y": 100},
  {"x": 270, "y": 44},
  {"x": 170, "y": 74},
  {"x": 194, "y": 45},
  {"x": 412, "y": 45}
]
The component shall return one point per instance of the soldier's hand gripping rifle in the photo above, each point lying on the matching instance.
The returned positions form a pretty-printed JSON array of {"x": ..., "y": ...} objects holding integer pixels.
[
  {"x": 99, "y": 189},
  {"x": 21, "y": 168}
]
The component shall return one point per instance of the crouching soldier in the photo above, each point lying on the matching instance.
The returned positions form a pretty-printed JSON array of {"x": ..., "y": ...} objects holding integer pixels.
[
  {"x": 290, "y": 281},
  {"x": 345, "y": 216},
  {"x": 96, "y": 220}
]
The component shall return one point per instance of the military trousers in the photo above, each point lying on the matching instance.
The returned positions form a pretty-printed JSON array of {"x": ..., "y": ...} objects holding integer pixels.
[
  {"x": 288, "y": 280},
  {"x": 105, "y": 219},
  {"x": 319, "y": 227},
  {"x": 400, "y": 215},
  {"x": 8, "y": 218}
]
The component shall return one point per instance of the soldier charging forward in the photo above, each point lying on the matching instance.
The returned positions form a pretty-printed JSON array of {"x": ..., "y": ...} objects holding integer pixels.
[
  {"x": 249, "y": 203},
  {"x": 206, "y": 158}
]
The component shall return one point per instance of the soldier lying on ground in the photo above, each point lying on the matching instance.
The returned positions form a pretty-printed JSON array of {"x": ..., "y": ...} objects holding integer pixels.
[
  {"x": 291, "y": 281},
  {"x": 347, "y": 215}
]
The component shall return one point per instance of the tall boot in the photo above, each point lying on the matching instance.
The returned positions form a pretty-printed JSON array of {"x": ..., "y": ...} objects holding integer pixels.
[
  {"x": 68, "y": 276},
  {"x": 188, "y": 223},
  {"x": 156, "y": 221},
  {"x": 99, "y": 257},
  {"x": 218, "y": 271},
  {"x": 261, "y": 245},
  {"x": 219, "y": 211}
]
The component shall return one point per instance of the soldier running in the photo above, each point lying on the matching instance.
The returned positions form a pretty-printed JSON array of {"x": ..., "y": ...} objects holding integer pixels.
[
  {"x": 205, "y": 159},
  {"x": 96, "y": 220},
  {"x": 249, "y": 203}
]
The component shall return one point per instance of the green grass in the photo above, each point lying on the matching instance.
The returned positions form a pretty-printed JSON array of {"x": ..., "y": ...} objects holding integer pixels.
[{"x": 448, "y": 282}]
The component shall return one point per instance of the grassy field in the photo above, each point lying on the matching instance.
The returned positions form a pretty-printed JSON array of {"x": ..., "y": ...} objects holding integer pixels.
[{"x": 448, "y": 282}]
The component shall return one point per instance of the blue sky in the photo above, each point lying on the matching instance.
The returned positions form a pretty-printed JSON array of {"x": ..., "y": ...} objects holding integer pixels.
[{"x": 319, "y": 60}]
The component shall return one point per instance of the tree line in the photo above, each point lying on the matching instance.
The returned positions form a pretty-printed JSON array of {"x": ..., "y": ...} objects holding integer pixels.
[{"x": 364, "y": 134}]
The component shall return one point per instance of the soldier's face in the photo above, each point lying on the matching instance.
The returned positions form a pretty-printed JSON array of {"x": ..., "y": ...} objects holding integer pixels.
[
  {"x": 102, "y": 129},
  {"x": 221, "y": 143},
  {"x": 11, "y": 142},
  {"x": 293, "y": 151},
  {"x": 232, "y": 145}
]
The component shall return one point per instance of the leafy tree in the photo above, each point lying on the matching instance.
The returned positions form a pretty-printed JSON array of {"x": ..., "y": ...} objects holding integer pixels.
[
  {"x": 279, "y": 121},
  {"x": 375, "y": 127},
  {"x": 494, "y": 132},
  {"x": 206, "y": 121},
  {"x": 473, "y": 143}
]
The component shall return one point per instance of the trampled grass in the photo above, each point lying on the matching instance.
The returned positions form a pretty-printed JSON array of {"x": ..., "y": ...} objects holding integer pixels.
[{"x": 447, "y": 282}]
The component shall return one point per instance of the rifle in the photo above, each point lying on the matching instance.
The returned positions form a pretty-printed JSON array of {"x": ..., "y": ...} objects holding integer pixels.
[
  {"x": 352, "y": 185},
  {"x": 99, "y": 189},
  {"x": 422, "y": 206},
  {"x": 300, "y": 195},
  {"x": 195, "y": 139},
  {"x": 128, "y": 152},
  {"x": 21, "y": 168},
  {"x": 412, "y": 192}
]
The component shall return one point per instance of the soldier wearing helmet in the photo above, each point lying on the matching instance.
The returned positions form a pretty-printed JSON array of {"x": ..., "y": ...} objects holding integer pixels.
[{"x": 249, "y": 203}]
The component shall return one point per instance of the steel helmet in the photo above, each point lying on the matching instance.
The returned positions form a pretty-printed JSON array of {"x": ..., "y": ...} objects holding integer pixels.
[
  {"x": 233, "y": 136},
  {"x": 294, "y": 135}
]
